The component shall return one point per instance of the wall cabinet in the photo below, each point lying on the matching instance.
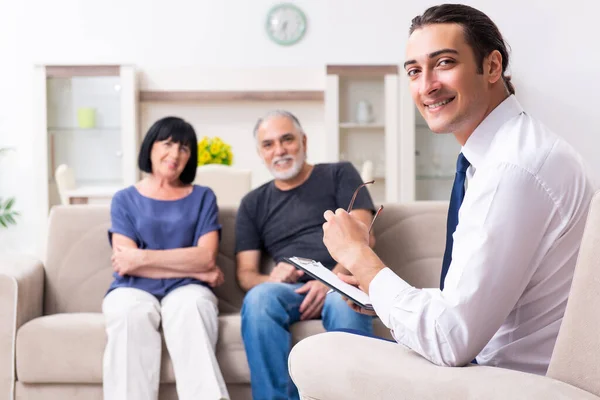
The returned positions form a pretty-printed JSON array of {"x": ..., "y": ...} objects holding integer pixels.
[{"x": 86, "y": 118}]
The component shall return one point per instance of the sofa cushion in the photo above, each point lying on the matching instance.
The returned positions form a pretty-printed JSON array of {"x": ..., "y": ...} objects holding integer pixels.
[
  {"x": 69, "y": 348},
  {"x": 353, "y": 368},
  {"x": 305, "y": 329}
]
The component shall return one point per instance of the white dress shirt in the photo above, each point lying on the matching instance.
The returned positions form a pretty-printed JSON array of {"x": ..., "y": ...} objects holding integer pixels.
[{"x": 515, "y": 248}]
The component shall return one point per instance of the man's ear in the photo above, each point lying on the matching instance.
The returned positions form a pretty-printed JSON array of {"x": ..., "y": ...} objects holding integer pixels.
[
  {"x": 304, "y": 141},
  {"x": 492, "y": 66}
]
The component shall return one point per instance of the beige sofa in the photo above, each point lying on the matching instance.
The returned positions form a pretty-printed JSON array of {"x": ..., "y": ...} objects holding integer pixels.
[
  {"x": 381, "y": 370},
  {"x": 52, "y": 334}
]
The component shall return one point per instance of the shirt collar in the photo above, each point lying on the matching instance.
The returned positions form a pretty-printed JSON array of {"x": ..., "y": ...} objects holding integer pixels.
[{"x": 479, "y": 142}]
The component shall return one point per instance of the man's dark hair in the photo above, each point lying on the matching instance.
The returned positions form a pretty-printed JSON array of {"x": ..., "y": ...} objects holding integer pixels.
[
  {"x": 481, "y": 33},
  {"x": 179, "y": 131}
]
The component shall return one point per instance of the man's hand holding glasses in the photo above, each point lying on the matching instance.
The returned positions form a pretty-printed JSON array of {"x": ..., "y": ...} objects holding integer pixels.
[{"x": 345, "y": 237}]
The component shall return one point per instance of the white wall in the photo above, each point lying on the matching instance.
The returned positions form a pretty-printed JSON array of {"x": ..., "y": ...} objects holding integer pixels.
[
  {"x": 234, "y": 122},
  {"x": 555, "y": 57}
]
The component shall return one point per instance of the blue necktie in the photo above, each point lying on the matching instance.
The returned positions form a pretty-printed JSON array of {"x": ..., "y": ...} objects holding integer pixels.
[{"x": 456, "y": 199}]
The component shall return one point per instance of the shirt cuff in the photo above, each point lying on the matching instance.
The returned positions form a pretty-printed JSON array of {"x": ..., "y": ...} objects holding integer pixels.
[{"x": 384, "y": 291}]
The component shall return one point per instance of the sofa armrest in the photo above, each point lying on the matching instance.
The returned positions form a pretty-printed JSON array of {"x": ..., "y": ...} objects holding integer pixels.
[
  {"x": 338, "y": 365},
  {"x": 21, "y": 300}
]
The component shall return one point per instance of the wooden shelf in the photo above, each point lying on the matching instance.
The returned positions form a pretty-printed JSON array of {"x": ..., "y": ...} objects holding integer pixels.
[
  {"x": 76, "y": 129},
  {"x": 70, "y": 71},
  {"x": 354, "y": 125},
  {"x": 277, "y": 95},
  {"x": 361, "y": 71}
]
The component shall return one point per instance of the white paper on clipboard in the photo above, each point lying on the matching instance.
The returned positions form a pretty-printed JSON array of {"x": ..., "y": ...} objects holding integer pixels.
[{"x": 318, "y": 271}]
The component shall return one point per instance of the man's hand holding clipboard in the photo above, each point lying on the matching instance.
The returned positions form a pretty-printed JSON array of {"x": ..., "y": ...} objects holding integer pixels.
[
  {"x": 346, "y": 287},
  {"x": 351, "y": 280}
]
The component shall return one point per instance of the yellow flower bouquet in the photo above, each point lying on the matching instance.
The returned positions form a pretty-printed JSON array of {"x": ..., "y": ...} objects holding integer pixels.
[{"x": 214, "y": 151}]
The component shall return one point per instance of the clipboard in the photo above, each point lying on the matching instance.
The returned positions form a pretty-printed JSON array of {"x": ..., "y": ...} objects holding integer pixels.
[{"x": 316, "y": 270}]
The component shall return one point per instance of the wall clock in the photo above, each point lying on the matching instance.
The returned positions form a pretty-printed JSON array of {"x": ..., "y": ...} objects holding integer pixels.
[{"x": 286, "y": 24}]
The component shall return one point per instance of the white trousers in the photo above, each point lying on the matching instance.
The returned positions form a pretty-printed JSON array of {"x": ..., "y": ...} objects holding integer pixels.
[{"x": 132, "y": 357}]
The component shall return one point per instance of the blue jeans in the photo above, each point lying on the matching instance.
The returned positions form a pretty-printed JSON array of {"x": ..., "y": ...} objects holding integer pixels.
[{"x": 268, "y": 311}]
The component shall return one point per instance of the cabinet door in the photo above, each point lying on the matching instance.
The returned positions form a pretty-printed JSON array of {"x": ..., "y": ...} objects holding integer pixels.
[
  {"x": 84, "y": 128},
  {"x": 435, "y": 161},
  {"x": 361, "y": 107},
  {"x": 427, "y": 159},
  {"x": 130, "y": 135}
]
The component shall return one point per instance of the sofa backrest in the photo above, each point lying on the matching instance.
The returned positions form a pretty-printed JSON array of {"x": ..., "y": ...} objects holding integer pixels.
[
  {"x": 409, "y": 238},
  {"x": 575, "y": 356},
  {"x": 78, "y": 268}
]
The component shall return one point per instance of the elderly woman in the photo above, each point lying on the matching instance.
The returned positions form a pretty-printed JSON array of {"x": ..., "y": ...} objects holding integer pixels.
[{"x": 165, "y": 235}]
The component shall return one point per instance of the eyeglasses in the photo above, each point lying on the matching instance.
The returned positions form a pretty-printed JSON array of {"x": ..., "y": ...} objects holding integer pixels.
[{"x": 354, "y": 198}]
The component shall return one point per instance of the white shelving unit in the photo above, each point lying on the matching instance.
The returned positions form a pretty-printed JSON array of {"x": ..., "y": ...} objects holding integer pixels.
[
  {"x": 356, "y": 125},
  {"x": 358, "y": 141},
  {"x": 427, "y": 159},
  {"x": 435, "y": 162},
  {"x": 102, "y": 148}
]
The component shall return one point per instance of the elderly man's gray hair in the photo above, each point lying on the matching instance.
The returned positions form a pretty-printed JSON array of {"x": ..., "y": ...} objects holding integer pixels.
[{"x": 275, "y": 114}]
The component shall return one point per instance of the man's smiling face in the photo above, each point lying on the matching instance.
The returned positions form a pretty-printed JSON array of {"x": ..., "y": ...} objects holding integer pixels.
[{"x": 450, "y": 91}]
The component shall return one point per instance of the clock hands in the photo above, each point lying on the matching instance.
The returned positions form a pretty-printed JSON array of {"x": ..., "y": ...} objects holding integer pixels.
[{"x": 283, "y": 28}]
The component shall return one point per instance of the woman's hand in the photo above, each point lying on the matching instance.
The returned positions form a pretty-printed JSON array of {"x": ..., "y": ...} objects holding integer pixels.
[
  {"x": 126, "y": 260},
  {"x": 213, "y": 277}
]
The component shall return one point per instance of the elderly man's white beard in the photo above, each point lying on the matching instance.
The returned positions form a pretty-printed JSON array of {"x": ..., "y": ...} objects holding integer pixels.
[{"x": 292, "y": 171}]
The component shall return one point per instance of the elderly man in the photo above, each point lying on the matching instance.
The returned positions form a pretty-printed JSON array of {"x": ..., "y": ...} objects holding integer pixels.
[{"x": 284, "y": 218}]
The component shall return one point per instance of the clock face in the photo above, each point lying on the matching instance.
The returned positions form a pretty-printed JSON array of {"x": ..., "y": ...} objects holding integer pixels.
[{"x": 286, "y": 24}]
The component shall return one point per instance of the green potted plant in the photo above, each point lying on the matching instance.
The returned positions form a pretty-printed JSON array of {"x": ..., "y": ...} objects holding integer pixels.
[{"x": 7, "y": 213}]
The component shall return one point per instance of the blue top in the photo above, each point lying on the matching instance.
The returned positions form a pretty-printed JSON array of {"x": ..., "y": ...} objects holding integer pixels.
[{"x": 162, "y": 225}]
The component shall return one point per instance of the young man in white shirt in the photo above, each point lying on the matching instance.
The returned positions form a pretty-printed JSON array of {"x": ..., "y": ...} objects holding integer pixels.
[{"x": 514, "y": 238}]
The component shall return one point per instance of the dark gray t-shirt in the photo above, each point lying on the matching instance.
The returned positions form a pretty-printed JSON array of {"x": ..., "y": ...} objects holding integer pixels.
[{"x": 290, "y": 223}]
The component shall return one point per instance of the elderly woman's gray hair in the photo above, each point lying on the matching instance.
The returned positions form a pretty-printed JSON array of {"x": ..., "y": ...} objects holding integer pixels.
[{"x": 277, "y": 114}]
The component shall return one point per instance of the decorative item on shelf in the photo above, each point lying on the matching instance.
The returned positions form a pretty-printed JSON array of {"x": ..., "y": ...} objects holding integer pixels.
[
  {"x": 214, "y": 151},
  {"x": 286, "y": 24},
  {"x": 364, "y": 112},
  {"x": 366, "y": 173},
  {"x": 86, "y": 117}
]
